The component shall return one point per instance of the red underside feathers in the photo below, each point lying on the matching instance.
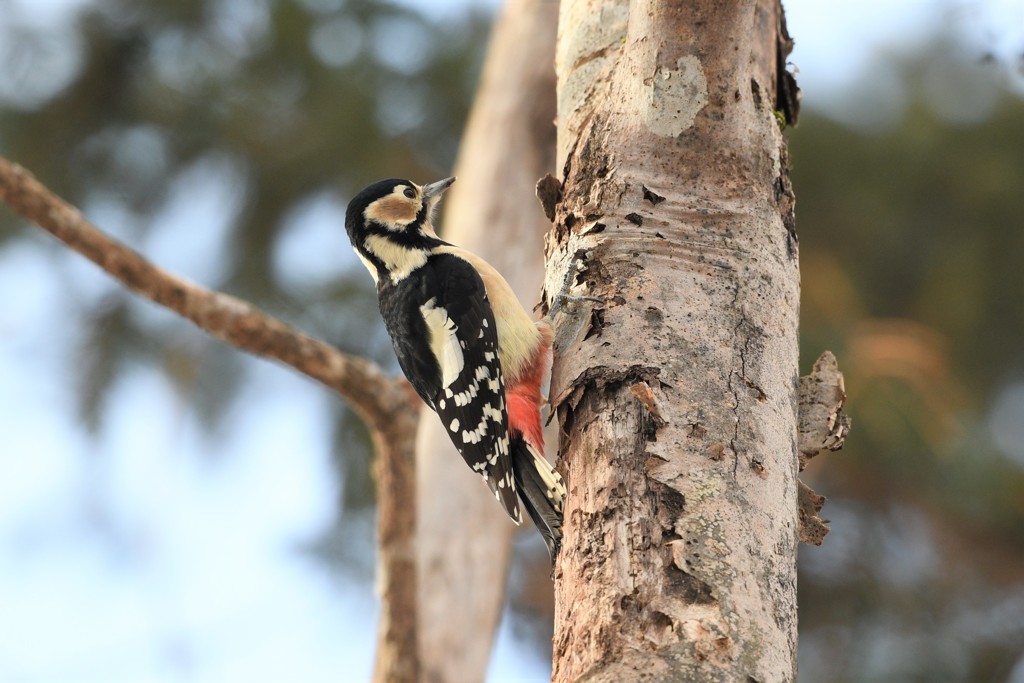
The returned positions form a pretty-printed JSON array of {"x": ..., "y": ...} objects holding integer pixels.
[{"x": 523, "y": 398}]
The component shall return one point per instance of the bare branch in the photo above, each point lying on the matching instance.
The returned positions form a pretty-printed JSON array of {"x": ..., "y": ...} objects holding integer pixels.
[
  {"x": 371, "y": 391},
  {"x": 386, "y": 403}
]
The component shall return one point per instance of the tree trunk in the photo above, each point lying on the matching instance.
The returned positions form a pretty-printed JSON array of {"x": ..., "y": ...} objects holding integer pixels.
[
  {"x": 464, "y": 537},
  {"x": 394, "y": 441},
  {"x": 677, "y": 395}
]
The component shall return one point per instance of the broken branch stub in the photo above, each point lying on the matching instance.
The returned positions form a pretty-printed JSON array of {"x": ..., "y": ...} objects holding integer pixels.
[
  {"x": 813, "y": 528},
  {"x": 822, "y": 425}
]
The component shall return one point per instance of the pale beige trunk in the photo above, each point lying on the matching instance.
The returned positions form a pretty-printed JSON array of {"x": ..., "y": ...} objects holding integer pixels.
[
  {"x": 677, "y": 393},
  {"x": 394, "y": 436},
  {"x": 464, "y": 537}
]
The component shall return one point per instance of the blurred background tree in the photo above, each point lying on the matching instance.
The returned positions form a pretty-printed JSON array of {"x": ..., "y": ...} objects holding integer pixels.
[
  {"x": 171, "y": 509},
  {"x": 226, "y": 132},
  {"x": 912, "y": 273}
]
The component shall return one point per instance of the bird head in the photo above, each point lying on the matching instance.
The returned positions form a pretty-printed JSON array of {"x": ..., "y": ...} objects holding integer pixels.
[{"x": 390, "y": 224}]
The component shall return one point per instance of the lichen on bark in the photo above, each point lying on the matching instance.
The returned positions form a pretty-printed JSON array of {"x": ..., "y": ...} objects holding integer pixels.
[{"x": 681, "y": 527}]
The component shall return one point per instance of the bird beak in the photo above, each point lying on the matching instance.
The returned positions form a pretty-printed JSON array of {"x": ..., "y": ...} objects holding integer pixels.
[{"x": 436, "y": 189}]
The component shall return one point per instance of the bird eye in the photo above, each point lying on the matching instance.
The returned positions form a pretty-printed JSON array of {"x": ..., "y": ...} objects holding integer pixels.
[{"x": 410, "y": 193}]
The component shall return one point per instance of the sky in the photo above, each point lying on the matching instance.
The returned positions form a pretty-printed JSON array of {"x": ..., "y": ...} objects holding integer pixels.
[{"x": 158, "y": 562}]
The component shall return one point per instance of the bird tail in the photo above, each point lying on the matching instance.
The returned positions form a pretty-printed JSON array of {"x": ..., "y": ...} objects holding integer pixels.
[
  {"x": 500, "y": 483},
  {"x": 541, "y": 490}
]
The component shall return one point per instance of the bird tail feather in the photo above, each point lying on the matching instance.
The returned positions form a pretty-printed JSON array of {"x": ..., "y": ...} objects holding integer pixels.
[{"x": 542, "y": 491}]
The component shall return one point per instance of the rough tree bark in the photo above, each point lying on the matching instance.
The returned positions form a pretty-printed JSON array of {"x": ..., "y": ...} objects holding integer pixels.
[
  {"x": 464, "y": 538},
  {"x": 680, "y": 388}
]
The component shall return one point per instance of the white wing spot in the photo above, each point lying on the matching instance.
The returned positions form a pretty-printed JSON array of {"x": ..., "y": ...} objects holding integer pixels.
[
  {"x": 444, "y": 341},
  {"x": 494, "y": 414},
  {"x": 454, "y": 426}
]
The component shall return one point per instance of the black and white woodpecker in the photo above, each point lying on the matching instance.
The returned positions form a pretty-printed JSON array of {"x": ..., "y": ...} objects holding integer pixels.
[{"x": 465, "y": 343}]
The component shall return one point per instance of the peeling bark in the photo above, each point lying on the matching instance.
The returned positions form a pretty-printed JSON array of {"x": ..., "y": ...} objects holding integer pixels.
[
  {"x": 822, "y": 426},
  {"x": 676, "y": 393},
  {"x": 464, "y": 538},
  {"x": 813, "y": 528}
]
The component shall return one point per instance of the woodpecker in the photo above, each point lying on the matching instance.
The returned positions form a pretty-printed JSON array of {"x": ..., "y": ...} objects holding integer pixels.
[{"x": 465, "y": 343}]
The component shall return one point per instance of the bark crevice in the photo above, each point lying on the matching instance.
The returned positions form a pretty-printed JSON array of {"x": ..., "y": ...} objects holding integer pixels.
[{"x": 677, "y": 564}]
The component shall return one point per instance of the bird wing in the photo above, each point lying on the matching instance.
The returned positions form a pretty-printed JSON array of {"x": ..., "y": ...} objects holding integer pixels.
[{"x": 470, "y": 398}]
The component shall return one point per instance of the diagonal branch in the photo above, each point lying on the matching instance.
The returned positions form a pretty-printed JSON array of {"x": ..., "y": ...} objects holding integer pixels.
[
  {"x": 386, "y": 403},
  {"x": 363, "y": 383}
]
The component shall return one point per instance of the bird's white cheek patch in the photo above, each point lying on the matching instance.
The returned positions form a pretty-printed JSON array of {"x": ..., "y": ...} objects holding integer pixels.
[{"x": 444, "y": 341}]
